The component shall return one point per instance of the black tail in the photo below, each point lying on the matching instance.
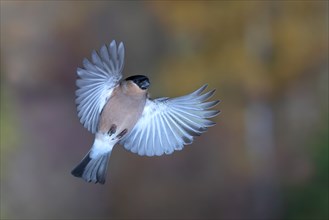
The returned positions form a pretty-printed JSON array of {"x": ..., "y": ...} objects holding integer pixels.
[{"x": 92, "y": 169}]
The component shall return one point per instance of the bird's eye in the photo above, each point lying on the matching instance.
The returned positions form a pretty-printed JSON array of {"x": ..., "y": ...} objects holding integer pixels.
[{"x": 140, "y": 80}]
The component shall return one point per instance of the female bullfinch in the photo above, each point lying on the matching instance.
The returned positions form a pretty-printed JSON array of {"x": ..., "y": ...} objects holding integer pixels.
[{"x": 120, "y": 111}]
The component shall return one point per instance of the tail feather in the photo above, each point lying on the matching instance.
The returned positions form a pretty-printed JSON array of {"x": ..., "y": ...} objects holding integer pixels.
[{"x": 92, "y": 169}]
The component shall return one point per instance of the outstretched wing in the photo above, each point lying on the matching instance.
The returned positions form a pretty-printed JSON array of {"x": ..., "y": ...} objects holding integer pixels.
[
  {"x": 96, "y": 82},
  {"x": 169, "y": 124}
]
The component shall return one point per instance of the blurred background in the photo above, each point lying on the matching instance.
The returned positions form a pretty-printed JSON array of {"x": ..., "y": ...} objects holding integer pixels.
[{"x": 267, "y": 157}]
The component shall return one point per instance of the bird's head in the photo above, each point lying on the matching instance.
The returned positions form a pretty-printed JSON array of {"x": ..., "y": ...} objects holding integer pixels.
[{"x": 141, "y": 81}]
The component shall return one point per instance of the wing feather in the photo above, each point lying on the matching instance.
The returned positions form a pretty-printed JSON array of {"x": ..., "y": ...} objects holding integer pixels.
[
  {"x": 96, "y": 82},
  {"x": 168, "y": 124}
]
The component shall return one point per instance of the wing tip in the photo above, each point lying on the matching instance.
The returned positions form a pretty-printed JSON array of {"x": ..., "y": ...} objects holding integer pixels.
[
  {"x": 215, "y": 113},
  {"x": 202, "y": 88},
  {"x": 121, "y": 45},
  {"x": 205, "y": 85},
  {"x": 214, "y": 103},
  {"x": 211, "y": 124},
  {"x": 113, "y": 43}
]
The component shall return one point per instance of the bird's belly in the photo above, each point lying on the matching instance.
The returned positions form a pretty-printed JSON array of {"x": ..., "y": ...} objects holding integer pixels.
[{"x": 120, "y": 116}]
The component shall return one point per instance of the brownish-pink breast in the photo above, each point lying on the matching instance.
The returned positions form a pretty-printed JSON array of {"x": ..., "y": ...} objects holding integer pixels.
[{"x": 123, "y": 109}]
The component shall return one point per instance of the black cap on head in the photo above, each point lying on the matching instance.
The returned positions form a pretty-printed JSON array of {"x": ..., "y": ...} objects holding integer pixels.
[{"x": 142, "y": 81}]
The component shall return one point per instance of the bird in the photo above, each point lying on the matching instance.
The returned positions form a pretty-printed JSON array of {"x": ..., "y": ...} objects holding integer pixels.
[{"x": 120, "y": 111}]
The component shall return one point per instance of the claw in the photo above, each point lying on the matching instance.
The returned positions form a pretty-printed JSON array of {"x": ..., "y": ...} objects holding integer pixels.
[
  {"x": 122, "y": 133},
  {"x": 112, "y": 130}
]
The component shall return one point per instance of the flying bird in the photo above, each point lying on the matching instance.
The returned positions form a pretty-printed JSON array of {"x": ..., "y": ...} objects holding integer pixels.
[{"x": 121, "y": 111}]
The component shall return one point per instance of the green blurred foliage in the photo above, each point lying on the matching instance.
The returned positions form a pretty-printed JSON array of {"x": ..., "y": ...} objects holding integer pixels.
[
  {"x": 222, "y": 29},
  {"x": 9, "y": 133},
  {"x": 310, "y": 200},
  {"x": 9, "y": 140}
]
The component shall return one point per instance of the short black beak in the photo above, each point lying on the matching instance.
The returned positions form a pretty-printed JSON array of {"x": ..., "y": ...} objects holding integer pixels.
[{"x": 145, "y": 84}]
